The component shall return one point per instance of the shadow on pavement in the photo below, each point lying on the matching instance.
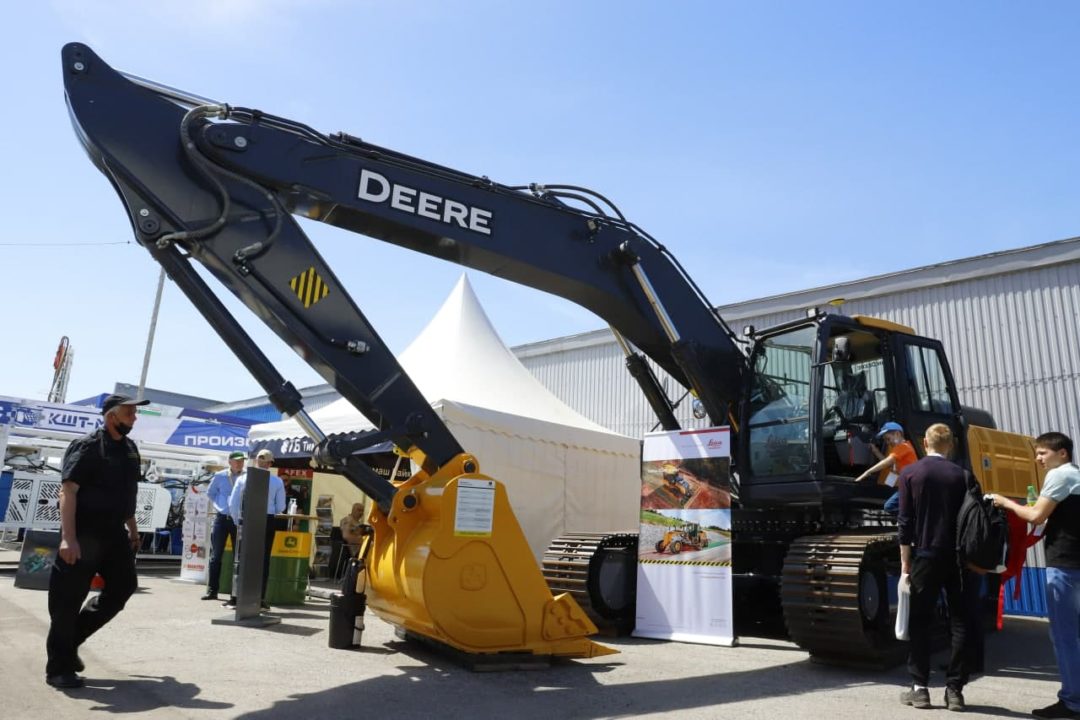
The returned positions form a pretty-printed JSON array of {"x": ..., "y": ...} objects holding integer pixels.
[
  {"x": 297, "y": 615},
  {"x": 284, "y": 629},
  {"x": 143, "y": 694},
  {"x": 1022, "y": 650},
  {"x": 575, "y": 689},
  {"x": 565, "y": 692},
  {"x": 992, "y": 710}
]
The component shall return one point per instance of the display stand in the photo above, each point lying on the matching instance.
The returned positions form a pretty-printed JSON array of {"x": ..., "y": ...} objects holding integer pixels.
[
  {"x": 247, "y": 580},
  {"x": 324, "y": 512}
]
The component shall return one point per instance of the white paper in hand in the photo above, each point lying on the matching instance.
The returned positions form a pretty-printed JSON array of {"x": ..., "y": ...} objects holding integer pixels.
[{"x": 903, "y": 606}]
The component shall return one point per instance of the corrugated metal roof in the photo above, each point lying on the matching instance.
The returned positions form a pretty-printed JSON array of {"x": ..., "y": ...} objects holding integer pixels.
[
  {"x": 782, "y": 305},
  {"x": 1010, "y": 323}
]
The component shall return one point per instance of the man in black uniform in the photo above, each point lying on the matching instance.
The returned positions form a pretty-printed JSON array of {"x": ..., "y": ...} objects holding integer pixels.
[{"x": 97, "y": 499}]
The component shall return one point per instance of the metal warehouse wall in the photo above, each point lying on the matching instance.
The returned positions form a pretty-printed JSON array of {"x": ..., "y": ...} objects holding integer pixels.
[{"x": 1010, "y": 323}]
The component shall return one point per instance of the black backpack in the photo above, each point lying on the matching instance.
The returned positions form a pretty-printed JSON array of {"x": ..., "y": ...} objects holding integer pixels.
[{"x": 982, "y": 532}]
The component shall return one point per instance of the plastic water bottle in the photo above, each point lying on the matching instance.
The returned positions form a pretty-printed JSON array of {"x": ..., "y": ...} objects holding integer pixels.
[
  {"x": 1032, "y": 498},
  {"x": 292, "y": 506}
]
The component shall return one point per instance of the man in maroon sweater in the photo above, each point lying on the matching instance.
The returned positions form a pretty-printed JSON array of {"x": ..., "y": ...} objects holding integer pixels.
[{"x": 931, "y": 493}]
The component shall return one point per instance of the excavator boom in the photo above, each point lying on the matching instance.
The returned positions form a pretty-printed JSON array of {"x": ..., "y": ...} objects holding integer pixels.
[
  {"x": 221, "y": 164},
  {"x": 465, "y": 580}
]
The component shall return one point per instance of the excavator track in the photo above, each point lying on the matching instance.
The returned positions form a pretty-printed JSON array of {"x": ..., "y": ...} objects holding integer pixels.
[
  {"x": 600, "y": 571},
  {"x": 836, "y": 599}
]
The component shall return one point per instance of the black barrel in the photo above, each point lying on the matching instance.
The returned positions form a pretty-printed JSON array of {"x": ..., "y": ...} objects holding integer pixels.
[
  {"x": 347, "y": 611},
  {"x": 342, "y": 621}
]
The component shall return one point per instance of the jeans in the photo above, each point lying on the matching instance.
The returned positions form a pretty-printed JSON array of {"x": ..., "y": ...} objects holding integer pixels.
[
  {"x": 111, "y": 557},
  {"x": 223, "y": 528},
  {"x": 892, "y": 505},
  {"x": 929, "y": 575},
  {"x": 1063, "y": 604}
]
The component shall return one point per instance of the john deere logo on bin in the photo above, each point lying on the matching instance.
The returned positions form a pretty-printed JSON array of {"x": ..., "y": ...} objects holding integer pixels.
[
  {"x": 309, "y": 287},
  {"x": 291, "y": 542}
]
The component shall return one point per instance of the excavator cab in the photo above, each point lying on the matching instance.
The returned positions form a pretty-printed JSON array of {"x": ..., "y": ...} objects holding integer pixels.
[{"x": 820, "y": 390}]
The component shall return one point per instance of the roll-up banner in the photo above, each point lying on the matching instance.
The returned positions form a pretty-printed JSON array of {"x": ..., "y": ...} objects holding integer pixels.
[
  {"x": 195, "y": 559},
  {"x": 684, "y": 545}
]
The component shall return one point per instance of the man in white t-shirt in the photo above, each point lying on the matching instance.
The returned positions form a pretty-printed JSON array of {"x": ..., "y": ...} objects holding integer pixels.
[{"x": 1059, "y": 507}]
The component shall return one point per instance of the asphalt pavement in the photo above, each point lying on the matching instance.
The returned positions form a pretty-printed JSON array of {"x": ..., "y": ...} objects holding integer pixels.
[{"x": 162, "y": 658}]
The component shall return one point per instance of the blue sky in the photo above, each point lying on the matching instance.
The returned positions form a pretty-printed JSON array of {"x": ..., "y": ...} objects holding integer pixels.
[{"x": 771, "y": 146}]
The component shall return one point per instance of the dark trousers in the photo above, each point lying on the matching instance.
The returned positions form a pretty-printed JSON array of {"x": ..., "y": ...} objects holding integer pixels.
[
  {"x": 111, "y": 557},
  {"x": 929, "y": 576},
  {"x": 224, "y": 527}
]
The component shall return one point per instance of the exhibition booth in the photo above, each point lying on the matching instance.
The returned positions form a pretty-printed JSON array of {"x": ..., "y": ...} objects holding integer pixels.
[{"x": 563, "y": 472}]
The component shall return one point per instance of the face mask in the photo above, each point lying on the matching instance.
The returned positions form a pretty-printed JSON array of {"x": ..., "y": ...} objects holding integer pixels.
[{"x": 122, "y": 428}]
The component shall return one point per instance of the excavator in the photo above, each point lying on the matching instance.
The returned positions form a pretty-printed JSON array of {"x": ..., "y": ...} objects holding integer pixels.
[{"x": 204, "y": 181}]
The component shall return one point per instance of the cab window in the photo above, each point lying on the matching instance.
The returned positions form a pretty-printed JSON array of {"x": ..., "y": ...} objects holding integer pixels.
[
  {"x": 853, "y": 387},
  {"x": 779, "y": 423},
  {"x": 926, "y": 381},
  {"x": 854, "y": 400}
]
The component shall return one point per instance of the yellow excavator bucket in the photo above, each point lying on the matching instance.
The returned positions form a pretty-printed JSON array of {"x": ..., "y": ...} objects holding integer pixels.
[{"x": 451, "y": 564}]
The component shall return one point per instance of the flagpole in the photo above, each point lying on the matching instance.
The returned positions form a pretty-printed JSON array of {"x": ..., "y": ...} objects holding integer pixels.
[{"x": 150, "y": 335}]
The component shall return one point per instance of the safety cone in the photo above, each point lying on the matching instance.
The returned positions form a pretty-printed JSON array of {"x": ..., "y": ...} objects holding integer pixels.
[{"x": 97, "y": 583}]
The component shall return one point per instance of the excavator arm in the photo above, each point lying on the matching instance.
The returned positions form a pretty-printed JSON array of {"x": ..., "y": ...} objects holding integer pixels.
[{"x": 219, "y": 185}]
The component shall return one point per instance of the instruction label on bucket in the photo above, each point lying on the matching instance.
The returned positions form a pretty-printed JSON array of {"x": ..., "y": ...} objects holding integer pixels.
[{"x": 475, "y": 508}]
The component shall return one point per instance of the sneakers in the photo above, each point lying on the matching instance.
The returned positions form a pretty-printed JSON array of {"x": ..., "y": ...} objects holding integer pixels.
[
  {"x": 954, "y": 700},
  {"x": 1057, "y": 710},
  {"x": 916, "y": 697},
  {"x": 209, "y": 596},
  {"x": 65, "y": 681}
]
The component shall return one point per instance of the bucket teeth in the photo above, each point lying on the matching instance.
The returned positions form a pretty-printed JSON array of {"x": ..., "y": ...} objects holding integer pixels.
[{"x": 564, "y": 618}]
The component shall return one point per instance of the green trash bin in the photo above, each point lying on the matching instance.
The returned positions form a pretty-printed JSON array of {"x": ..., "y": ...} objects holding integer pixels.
[
  {"x": 290, "y": 561},
  {"x": 225, "y": 579}
]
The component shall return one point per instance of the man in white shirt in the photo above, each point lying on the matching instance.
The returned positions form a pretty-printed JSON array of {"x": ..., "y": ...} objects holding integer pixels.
[
  {"x": 275, "y": 505},
  {"x": 1059, "y": 507}
]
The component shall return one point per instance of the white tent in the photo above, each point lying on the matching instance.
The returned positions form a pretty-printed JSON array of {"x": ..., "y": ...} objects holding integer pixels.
[{"x": 563, "y": 472}]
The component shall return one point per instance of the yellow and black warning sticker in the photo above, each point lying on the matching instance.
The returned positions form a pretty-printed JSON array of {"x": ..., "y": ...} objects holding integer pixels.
[
  {"x": 309, "y": 287},
  {"x": 702, "y": 563}
]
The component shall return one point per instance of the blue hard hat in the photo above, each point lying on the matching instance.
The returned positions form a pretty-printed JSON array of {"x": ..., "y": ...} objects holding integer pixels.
[{"x": 890, "y": 427}]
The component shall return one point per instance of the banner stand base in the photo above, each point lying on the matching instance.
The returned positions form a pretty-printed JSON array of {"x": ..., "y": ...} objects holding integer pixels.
[{"x": 255, "y": 621}]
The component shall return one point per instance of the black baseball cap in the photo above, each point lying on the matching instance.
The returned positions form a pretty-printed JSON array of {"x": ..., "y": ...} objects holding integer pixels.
[{"x": 117, "y": 400}]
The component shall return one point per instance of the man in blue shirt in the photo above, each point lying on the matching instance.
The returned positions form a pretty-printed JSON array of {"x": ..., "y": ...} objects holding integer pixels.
[
  {"x": 275, "y": 505},
  {"x": 1059, "y": 507},
  {"x": 221, "y": 487}
]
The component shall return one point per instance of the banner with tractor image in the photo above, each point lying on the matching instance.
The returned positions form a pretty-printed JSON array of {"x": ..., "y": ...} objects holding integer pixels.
[{"x": 684, "y": 543}]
